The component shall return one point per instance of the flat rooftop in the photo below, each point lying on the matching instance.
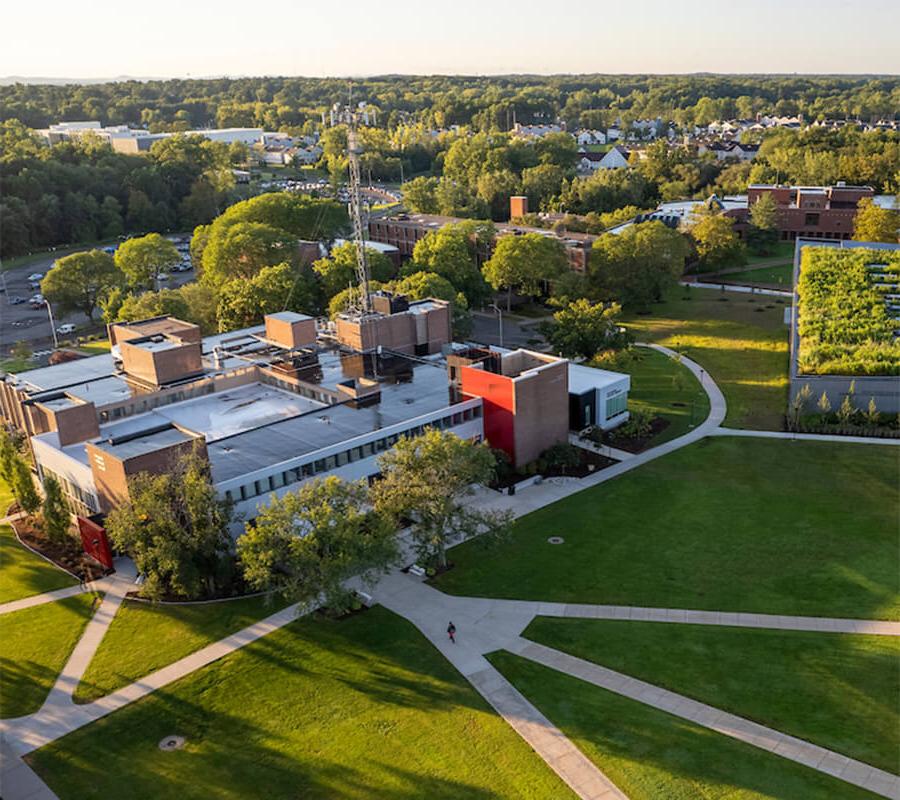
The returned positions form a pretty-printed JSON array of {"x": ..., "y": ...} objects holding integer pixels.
[{"x": 582, "y": 379}]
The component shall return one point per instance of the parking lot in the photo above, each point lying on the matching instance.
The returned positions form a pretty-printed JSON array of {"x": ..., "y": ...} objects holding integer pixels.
[{"x": 23, "y": 323}]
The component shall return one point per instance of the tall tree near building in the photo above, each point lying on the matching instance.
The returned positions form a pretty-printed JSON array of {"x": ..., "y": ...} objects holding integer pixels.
[
  {"x": 636, "y": 266},
  {"x": 452, "y": 252},
  {"x": 427, "y": 479},
  {"x": 9, "y": 453},
  {"x": 582, "y": 329},
  {"x": 338, "y": 271},
  {"x": 176, "y": 529},
  {"x": 764, "y": 224},
  {"x": 717, "y": 243},
  {"x": 23, "y": 486},
  {"x": 875, "y": 224},
  {"x": 524, "y": 263},
  {"x": 143, "y": 258},
  {"x": 283, "y": 287},
  {"x": 79, "y": 282},
  {"x": 54, "y": 512},
  {"x": 306, "y": 543}
]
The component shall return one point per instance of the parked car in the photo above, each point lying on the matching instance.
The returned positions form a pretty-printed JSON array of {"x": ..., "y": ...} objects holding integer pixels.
[
  {"x": 15, "y": 300},
  {"x": 163, "y": 276},
  {"x": 37, "y": 301},
  {"x": 65, "y": 330},
  {"x": 35, "y": 276},
  {"x": 35, "y": 284}
]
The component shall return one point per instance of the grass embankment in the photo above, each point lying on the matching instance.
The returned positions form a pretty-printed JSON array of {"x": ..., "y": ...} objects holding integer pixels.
[
  {"x": 144, "y": 638},
  {"x": 726, "y": 524},
  {"x": 661, "y": 387},
  {"x": 741, "y": 340},
  {"x": 360, "y": 708},
  {"x": 836, "y": 690},
  {"x": 651, "y": 755}
]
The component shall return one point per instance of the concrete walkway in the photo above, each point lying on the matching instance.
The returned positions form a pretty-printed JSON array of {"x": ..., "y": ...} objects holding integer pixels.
[
  {"x": 780, "y": 744},
  {"x": 736, "y": 287},
  {"x": 49, "y": 597},
  {"x": 484, "y": 625},
  {"x": 803, "y": 437},
  {"x": 18, "y": 781}
]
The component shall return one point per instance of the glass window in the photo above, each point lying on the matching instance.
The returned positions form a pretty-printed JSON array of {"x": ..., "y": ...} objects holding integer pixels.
[
  {"x": 330, "y": 463},
  {"x": 616, "y": 405},
  {"x": 367, "y": 449},
  {"x": 229, "y": 497},
  {"x": 343, "y": 458},
  {"x": 261, "y": 486},
  {"x": 320, "y": 465}
]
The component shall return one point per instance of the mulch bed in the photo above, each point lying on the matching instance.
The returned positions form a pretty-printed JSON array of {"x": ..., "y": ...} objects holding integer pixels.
[
  {"x": 635, "y": 445},
  {"x": 67, "y": 555},
  {"x": 591, "y": 462}
]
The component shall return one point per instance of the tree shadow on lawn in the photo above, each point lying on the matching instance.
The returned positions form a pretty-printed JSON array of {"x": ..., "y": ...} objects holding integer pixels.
[
  {"x": 842, "y": 688},
  {"x": 252, "y": 752},
  {"x": 643, "y": 749},
  {"x": 24, "y": 686},
  {"x": 24, "y": 574}
]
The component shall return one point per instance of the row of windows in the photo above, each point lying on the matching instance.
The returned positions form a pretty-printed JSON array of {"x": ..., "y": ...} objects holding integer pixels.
[
  {"x": 328, "y": 463},
  {"x": 150, "y": 401},
  {"x": 77, "y": 500},
  {"x": 616, "y": 405}
]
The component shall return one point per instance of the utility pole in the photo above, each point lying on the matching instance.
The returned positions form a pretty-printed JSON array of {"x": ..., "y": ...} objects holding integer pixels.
[
  {"x": 52, "y": 324},
  {"x": 500, "y": 318}
]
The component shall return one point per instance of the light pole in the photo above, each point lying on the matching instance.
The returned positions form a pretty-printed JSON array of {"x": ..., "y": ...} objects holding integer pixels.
[
  {"x": 500, "y": 318},
  {"x": 52, "y": 324}
]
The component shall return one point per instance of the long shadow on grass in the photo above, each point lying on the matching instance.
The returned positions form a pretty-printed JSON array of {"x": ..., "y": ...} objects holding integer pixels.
[{"x": 651, "y": 754}]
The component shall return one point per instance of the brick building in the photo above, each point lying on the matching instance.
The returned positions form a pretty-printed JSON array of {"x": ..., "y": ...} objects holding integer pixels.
[{"x": 807, "y": 212}]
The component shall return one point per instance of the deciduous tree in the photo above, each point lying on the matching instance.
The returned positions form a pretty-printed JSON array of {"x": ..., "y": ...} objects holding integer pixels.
[
  {"x": 426, "y": 480},
  {"x": 523, "y": 263},
  {"x": 875, "y": 224},
  {"x": 54, "y": 513},
  {"x": 307, "y": 543},
  {"x": 143, "y": 258},
  {"x": 79, "y": 282},
  {"x": 582, "y": 329}
]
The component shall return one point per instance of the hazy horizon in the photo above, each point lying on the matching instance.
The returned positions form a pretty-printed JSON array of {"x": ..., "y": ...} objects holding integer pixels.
[{"x": 207, "y": 40}]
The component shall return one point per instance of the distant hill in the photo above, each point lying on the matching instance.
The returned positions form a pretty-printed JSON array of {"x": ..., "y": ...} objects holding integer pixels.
[{"x": 9, "y": 80}]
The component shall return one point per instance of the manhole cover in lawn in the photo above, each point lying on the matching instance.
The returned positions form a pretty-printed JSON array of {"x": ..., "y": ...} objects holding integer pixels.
[
  {"x": 172, "y": 743},
  {"x": 556, "y": 540}
]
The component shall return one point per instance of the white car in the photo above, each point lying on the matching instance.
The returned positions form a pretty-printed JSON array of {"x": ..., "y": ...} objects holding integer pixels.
[
  {"x": 65, "y": 330},
  {"x": 37, "y": 300},
  {"x": 35, "y": 276},
  {"x": 163, "y": 276}
]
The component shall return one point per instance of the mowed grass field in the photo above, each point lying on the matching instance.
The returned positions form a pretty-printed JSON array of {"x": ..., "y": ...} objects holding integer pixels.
[
  {"x": 727, "y": 524},
  {"x": 145, "y": 637},
  {"x": 651, "y": 755},
  {"x": 360, "y": 708},
  {"x": 836, "y": 690},
  {"x": 661, "y": 387},
  {"x": 741, "y": 340},
  {"x": 36, "y": 642}
]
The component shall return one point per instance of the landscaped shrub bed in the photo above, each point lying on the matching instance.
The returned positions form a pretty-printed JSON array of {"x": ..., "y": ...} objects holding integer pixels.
[{"x": 844, "y": 324}]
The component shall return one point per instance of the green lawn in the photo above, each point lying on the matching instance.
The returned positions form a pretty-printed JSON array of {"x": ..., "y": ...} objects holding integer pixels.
[
  {"x": 36, "y": 644},
  {"x": 756, "y": 525},
  {"x": 95, "y": 348},
  {"x": 144, "y": 638},
  {"x": 13, "y": 365},
  {"x": 741, "y": 340},
  {"x": 361, "y": 708},
  {"x": 662, "y": 388},
  {"x": 835, "y": 690},
  {"x": 779, "y": 276},
  {"x": 781, "y": 250},
  {"x": 651, "y": 755},
  {"x": 22, "y": 573}
]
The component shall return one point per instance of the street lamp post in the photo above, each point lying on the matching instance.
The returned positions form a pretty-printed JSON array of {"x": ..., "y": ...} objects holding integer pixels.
[
  {"x": 500, "y": 318},
  {"x": 52, "y": 324}
]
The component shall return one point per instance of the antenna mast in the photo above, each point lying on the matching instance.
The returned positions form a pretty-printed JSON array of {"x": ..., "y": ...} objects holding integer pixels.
[{"x": 351, "y": 117}]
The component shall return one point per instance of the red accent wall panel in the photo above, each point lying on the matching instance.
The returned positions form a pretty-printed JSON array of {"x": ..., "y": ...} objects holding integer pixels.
[
  {"x": 94, "y": 541},
  {"x": 499, "y": 406}
]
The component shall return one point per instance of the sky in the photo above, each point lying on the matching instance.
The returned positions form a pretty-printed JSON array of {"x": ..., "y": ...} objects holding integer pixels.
[{"x": 199, "y": 38}]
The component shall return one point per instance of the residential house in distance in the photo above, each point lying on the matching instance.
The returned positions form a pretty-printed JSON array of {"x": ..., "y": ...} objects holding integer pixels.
[
  {"x": 588, "y": 161},
  {"x": 590, "y": 137},
  {"x": 615, "y": 158},
  {"x": 536, "y": 131}
]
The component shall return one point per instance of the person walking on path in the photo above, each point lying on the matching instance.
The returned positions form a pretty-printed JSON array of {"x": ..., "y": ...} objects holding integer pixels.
[{"x": 451, "y": 632}]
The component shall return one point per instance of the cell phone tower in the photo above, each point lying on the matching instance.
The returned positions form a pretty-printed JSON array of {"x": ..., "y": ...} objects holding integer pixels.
[{"x": 352, "y": 117}]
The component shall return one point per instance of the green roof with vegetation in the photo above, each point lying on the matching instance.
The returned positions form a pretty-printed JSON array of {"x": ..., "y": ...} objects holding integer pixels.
[{"x": 846, "y": 324}]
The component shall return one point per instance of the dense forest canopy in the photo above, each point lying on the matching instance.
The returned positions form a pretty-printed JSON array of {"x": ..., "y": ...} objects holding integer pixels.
[{"x": 486, "y": 103}]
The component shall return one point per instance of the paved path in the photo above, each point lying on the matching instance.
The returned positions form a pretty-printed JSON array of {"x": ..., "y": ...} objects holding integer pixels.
[
  {"x": 805, "y": 437},
  {"x": 48, "y": 597},
  {"x": 484, "y": 625},
  {"x": 18, "y": 781},
  {"x": 789, "y": 747},
  {"x": 735, "y": 287}
]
